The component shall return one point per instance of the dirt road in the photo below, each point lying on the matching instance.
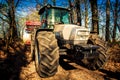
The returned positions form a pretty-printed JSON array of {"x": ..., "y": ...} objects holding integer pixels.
[
  {"x": 69, "y": 71},
  {"x": 15, "y": 65}
]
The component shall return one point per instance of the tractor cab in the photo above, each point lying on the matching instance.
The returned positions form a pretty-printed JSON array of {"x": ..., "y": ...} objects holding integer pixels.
[{"x": 51, "y": 15}]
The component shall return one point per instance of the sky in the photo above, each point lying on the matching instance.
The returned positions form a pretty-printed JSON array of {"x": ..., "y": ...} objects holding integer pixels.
[{"x": 24, "y": 6}]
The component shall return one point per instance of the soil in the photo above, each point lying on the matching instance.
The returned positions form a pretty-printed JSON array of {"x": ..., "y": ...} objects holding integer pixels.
[{"x": 15, "y": 64}]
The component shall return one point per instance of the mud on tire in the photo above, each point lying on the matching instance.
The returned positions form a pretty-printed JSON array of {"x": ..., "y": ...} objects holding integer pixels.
[
  {"x": 46, "y": 54},
  {"x": 100, "y": 60}
]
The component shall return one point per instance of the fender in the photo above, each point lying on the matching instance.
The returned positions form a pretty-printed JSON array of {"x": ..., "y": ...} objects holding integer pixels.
[
  {"x": 33, "y": 37},
  {"x": 38, "y": 30}
]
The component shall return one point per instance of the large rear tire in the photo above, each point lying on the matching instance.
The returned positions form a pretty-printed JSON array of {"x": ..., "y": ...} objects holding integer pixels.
[
  {"x": 46, "y": 54},
  {"x": 99, "y": 60}
]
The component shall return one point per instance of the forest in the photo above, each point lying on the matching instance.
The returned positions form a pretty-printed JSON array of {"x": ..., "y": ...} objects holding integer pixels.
[{"x": 101, "y": 17}]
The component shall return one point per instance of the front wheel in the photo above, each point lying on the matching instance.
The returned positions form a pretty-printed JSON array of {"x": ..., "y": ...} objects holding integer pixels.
[
  {"x": 46, "y": 54},
  {"x": 102, "y": 56}
]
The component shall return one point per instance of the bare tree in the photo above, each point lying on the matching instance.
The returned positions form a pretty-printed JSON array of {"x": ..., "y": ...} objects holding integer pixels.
[
  {"x": 115, "y": 21},
  {"x": 3, "y": 29},
  {"x": 3, "y": 17},
  {"x": 86, "y": 13},
  {"x": 107, "y": 35},
  {"x": 71, "y": 11},
  {"x": 12, "y": 23},
  {"x": 78, "y": 11},
  {"x": 9, "y": 17},
  {"x": 94, "y": 10}
]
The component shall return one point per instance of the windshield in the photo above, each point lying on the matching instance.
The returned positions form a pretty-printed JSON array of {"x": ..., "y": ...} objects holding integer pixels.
[
  {"x": 57, "y": 16},
  {"x": 53, "y": 16}
]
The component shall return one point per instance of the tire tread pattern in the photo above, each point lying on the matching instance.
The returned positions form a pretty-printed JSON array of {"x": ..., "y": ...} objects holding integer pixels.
[
  {"x": 49, "y": 53},
  {"x": 101, "y": 59}
]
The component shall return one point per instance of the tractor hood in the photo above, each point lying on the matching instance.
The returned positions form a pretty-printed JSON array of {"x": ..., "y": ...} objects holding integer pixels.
[
  {"x": 78, "y": 34},
  {"x": 65, "y": 29}
]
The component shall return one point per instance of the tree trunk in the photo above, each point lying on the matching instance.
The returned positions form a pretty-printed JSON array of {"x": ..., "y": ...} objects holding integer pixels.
[
  {"x": 3, "y": 29},
  {"x": 86, "y": 13},
  {"x": 71, "y": 12},
  {"x": 107, "y": 35},
  {"x": 115, "y": 21},
  {"x": 78, "y": 11},
  {"x": 12, "y": 23},
  {"x": 94, "y": 10}
]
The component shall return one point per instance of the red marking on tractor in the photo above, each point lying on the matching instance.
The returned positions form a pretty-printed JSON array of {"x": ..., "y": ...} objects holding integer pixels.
[
  {"x": 33, "y": 23},
  {"x": 30, "y": 26}
]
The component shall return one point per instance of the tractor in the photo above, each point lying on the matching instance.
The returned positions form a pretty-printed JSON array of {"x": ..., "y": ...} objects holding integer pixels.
[
  {"x": 57, "y": 36},
  {"x": 28, "y": 30}
]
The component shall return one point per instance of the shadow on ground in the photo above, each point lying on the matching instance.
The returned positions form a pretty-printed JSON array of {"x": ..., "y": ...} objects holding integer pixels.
[
  {"x": 109, "y": 74},
  {"x": 65, "y": 64},
  {"x": 12, "y": 60}
]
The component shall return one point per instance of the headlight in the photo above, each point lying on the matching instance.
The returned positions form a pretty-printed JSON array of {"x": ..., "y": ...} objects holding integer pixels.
[
  {"x": 82, "y": 32},
  {"x": 82, "y": 35}
]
